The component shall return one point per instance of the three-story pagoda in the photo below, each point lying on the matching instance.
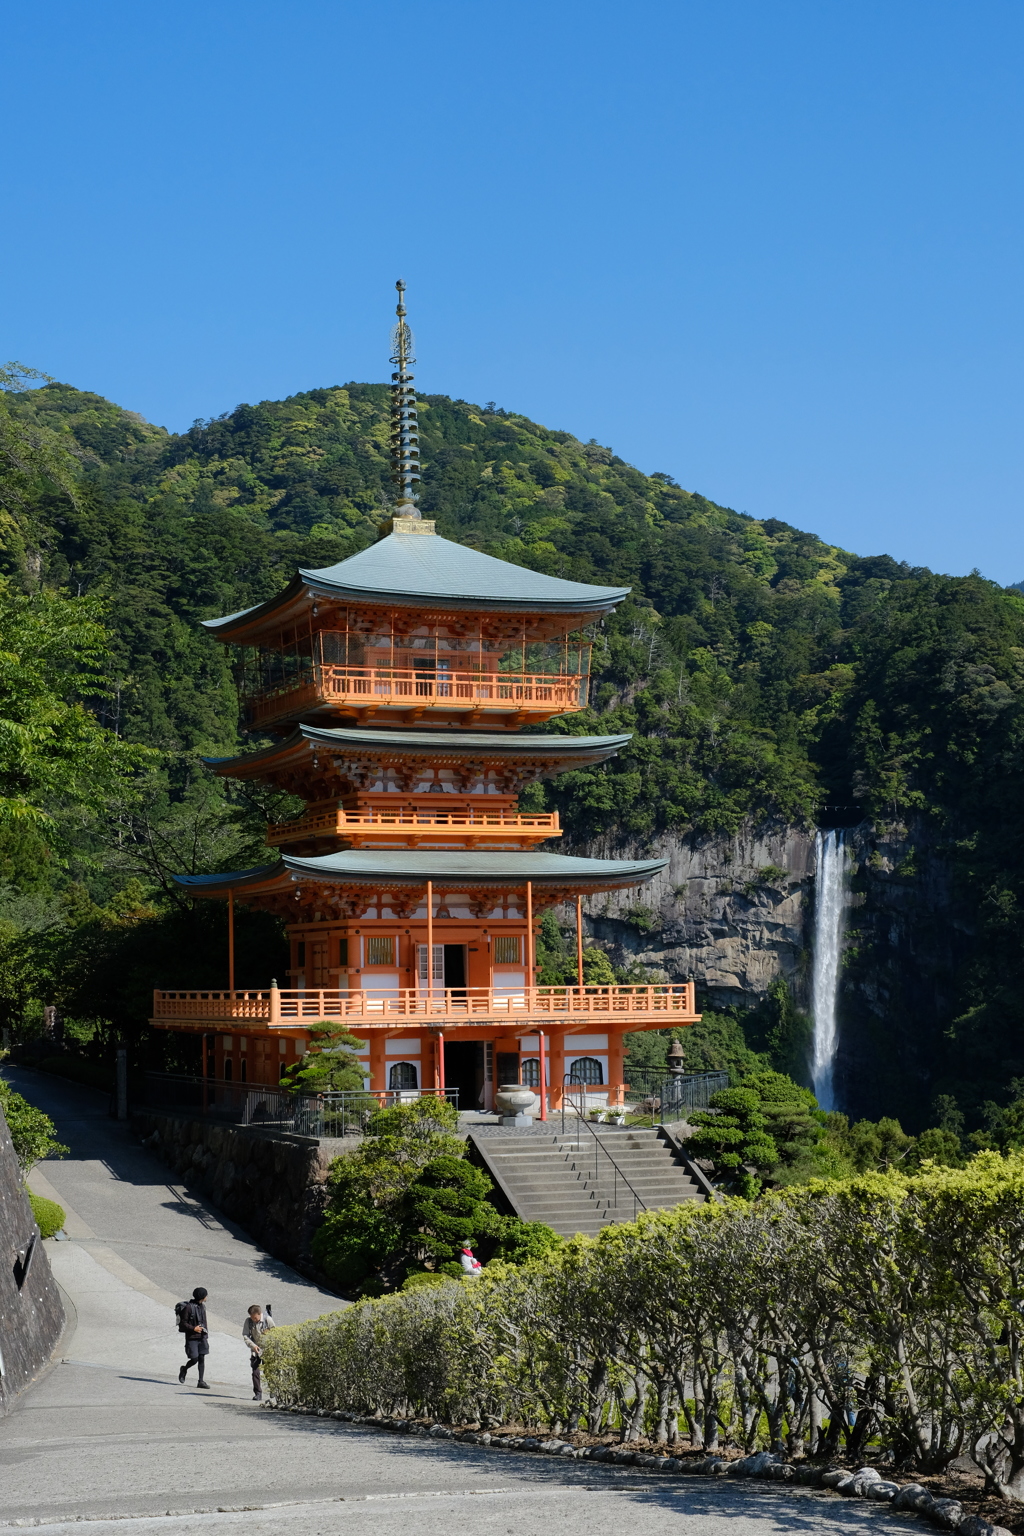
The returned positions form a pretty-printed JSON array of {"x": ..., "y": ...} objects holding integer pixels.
[{"x": 403, "y": 689}]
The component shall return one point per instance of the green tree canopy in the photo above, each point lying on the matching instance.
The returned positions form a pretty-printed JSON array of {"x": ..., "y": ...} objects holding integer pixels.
[
  {"x": 54, "y": 753},
  {"x": 446, "y": 1207},
  {"x": 734, "y": 1136},
  {"x": 32, "y": 1131},
  {"x": 330, "y": 1063}
]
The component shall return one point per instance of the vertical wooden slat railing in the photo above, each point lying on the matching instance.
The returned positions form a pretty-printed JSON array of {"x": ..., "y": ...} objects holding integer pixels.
[
  {"x": 549, "y": 692},
  {"x": 279, "y": 1006}
]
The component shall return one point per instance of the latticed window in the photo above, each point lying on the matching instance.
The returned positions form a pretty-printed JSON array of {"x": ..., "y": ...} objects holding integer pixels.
[
  {"x": 402, "y": 1075},
  {"x": 586, "y": 1070},
  {"x": 507, "y": 949},
  {"x": 380, "y": 950},
  {"x": 529, "y": 1074}
]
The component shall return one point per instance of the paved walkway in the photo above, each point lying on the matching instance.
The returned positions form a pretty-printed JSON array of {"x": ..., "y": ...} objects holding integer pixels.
[{"x": 108, "y": 1437}]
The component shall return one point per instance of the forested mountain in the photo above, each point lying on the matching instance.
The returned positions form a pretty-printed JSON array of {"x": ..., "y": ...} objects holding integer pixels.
[{"x": 770, "y": 679}]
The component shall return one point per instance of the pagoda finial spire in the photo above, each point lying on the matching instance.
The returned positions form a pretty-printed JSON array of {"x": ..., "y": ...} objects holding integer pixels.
[{"x": 405, "y": 436}]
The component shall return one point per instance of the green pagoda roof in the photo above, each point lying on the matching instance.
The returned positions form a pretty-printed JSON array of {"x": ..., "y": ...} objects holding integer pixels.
[
  {"x": 572, "y": 749},
  {"x": 452, "y": 869},
  {"x": 420, "y": 567}
]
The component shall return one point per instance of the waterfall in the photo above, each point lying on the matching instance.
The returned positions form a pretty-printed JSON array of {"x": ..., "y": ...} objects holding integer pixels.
[{"x": 829, "y": 904}]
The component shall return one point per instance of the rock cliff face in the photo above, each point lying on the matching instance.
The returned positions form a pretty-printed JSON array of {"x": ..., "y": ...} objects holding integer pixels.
[
  {"x": 734, "y": 913},
  {"x": 908, "y": 936},
  {"x": 31, "y": 1311}
]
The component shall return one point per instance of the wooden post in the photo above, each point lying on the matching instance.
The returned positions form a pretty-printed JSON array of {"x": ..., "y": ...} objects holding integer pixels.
[
  {"x": 531, "y": 979},
  {"x": 430, "y": 939},
  {"x": 206, "y": 1091},
  {"x": 231, "y": 942},
  {"x": 122, "y": 1084},
  {"x": 440, "y": 1064},
  {"x": 579, "y": 941},
  {"x": 378, "y": 1064},
  {"x": 543, "y": 1078},
  {"x": 556, "y": 1070},
  {"x": 616, "y": 1071},
  {"x": 275, "y": 1002}
]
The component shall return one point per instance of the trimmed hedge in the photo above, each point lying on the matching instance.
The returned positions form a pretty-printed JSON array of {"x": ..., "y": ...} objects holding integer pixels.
[
  {"x": 881, "y": 1311},
  {"x": 48, "y": 1214}
]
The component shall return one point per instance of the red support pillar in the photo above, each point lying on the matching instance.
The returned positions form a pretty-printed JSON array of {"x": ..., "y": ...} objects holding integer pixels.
[
  {"x": 231, "y": 941},
  {"x": 543, "y": 1078},
  {"x": 430, "y": 939},
  {"x": 616, "y": 1071},
  {"x": 378, "y": 1062},
  {"x": 531, "y": 979}
]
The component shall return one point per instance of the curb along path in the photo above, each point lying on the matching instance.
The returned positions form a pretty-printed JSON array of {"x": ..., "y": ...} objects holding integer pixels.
[{"x": 865, "y": 1483}]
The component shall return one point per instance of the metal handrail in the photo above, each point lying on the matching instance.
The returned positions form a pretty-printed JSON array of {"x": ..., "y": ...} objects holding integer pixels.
[
  {"x": 638, "y": 1203},
  {"x": 670, "y": 1095}
]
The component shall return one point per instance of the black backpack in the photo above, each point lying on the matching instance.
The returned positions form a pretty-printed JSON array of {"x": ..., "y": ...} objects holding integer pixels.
[{"x": 180, "y": 1308}]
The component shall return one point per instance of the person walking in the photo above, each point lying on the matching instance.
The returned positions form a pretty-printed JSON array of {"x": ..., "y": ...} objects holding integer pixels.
[
  {"x": 197, "y": 1336},
  {"x": 253, "y": 1330}
]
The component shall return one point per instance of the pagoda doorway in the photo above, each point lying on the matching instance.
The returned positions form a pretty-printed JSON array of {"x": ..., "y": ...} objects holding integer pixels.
[
  {"x": 454, "y": 965},
  {"x": 464, "y": 1070}
]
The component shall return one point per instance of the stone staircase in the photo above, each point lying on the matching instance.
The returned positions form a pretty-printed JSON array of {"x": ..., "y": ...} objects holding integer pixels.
[{"x": 571, "y": 1185}]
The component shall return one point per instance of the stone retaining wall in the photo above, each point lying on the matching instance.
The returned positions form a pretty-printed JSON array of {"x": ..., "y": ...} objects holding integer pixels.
[
  {"x": 31, "y": 1310},
  {"x": 272, "y": 1184}
]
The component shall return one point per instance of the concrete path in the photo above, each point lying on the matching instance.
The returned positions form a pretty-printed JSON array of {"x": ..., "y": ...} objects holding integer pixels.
[{"x": 108, "y": 1437}]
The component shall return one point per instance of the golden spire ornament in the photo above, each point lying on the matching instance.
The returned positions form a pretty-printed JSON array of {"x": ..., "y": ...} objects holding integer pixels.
[{"x": 405, "y": 436}]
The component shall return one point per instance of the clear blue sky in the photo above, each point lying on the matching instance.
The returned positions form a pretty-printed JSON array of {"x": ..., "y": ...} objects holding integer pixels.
[{"x": 773, "y": 249}]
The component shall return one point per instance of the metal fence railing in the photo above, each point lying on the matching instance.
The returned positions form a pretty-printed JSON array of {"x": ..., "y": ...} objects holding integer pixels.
[
  {"x": 668, "y": 1096},
  {"x": 313, "y": 1115}
]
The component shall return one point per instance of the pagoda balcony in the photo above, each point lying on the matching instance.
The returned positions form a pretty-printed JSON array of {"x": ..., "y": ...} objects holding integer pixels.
[
  {"x": 470, "y": 695},
  {"x": 624, "y": 1007},
  {"x": 411, "y": 827}
]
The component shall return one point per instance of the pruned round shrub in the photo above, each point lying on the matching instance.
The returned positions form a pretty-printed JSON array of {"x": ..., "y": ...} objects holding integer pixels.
[
  {"x": 48, "y": 1214},
  {"x": 423, "y": 1279}
]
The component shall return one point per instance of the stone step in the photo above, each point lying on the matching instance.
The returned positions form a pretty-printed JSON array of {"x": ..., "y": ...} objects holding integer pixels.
[{"x": 554, "y": 1179}]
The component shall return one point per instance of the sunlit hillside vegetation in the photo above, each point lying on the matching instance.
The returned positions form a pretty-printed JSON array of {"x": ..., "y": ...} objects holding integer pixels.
[{"x": 767, "y": 675}]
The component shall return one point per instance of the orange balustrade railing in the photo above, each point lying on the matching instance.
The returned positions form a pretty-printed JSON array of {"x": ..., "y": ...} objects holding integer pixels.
[
  {"x": 531, "y": 692},
  {"x": 276, "y": 1006},
  {"x": 384, "y": 823}
]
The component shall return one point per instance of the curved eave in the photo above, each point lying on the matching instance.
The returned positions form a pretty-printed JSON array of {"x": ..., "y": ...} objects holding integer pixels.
[
  {"x": 586, "y": 608},
  {"x": 265, "y": 875},
  {"x": 567, "y": 749},
  {"x": 247, "y": 623},
  {"x": 419, "y": 571},
  {"x": 447, "y": 870},
  {"x": 246, "y": 626}
]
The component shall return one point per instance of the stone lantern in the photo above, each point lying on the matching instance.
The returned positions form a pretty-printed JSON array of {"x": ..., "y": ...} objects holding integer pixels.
[{"x": 675, "y": 1059}]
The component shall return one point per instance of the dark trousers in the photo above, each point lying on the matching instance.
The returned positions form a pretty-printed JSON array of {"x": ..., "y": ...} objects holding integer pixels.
[
  {"x": 257, "y": 1385},
  {"x": 197, "y": 1351}
]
